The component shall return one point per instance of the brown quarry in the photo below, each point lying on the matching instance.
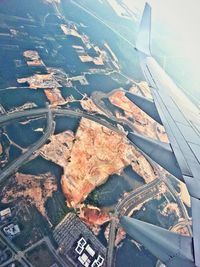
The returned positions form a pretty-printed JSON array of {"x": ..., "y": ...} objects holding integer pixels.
[
  {"x": 95, "y": 152},
  {"x": 59, "y": 148},
  {"x": 90, "y": 157},
  {"x": 143, "y": 123}
]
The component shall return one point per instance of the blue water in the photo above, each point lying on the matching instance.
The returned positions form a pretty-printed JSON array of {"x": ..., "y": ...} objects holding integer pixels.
[
  {"x": 14, "y": 153},
  {"x": 128, "y": 255},
  {"x": 110, "y": 192},
  {"x": 150, "y": 213},
  {"x": 17, "y": 97},
  {"x": 66, "y": 123},
  {"x": 68, "y": 91},
  {"x": 40, "y": 165},
  {"x": 24, "y": 134},
  {"x": 99, "y": 34}
]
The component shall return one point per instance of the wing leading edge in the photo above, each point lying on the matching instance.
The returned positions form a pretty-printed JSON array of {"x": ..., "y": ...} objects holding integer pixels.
[{"x": 181, "y": 120}]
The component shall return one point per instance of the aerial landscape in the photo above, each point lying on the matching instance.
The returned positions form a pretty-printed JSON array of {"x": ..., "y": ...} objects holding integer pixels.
[{"x": 70, "y": 170}]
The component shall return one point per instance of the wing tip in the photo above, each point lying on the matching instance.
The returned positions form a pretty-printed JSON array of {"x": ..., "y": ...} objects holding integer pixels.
[{"x": 143, "y": 40}]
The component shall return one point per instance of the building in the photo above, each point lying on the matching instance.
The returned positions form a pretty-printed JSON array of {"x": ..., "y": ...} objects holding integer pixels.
[
  {"x": 5, "y": 214},
  {"x": 11, "y": 230},
  {"x": 98, "y": 262},
  {"x": 78, "y": 244},
  {"x": 90, "y": 250},
  {"x": 87, "y": 254}
]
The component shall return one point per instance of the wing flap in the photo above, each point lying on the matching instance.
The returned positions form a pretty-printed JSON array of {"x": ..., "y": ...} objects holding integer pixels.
[{"x": 171, "y": 248}]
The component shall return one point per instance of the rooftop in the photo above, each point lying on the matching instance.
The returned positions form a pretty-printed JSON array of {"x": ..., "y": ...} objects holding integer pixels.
[{"x": 77, "y": 243}]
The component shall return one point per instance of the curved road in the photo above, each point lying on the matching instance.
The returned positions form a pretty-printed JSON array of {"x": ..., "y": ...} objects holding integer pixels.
[
  {"x": 11, "y": 168},
  {"x": 14, "y": 116},
  {"x": 7, "y": 171},
  {"x": 20, "y": 115},
  {"x": 124, "y": 207},
  {"x": 126, "y": 204}
]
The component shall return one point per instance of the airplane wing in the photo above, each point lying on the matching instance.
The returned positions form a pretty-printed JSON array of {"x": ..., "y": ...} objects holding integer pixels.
[{"x": 181, "y": 120}]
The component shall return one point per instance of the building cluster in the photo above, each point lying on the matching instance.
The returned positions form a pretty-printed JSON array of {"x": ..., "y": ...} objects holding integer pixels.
[
  {"x": 87, "y": 253},
  {"x": 78, "y": 244},
  {"x": 10, "y": 229}
]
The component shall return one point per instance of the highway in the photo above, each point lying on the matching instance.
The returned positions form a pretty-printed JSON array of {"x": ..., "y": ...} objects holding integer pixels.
[
  {"x": 124, "y": 207},
  {"x": 73, "y": 113},
  {"x": 141, "y": 194},
  {"x": 7, "y": 171},
  {"x": 4, "y": 119},
  {"x": 8, "y": 118},
  {"x": 98, "y": 102},
  {"x": 180, "y": 203},
  {"x": 20, "y": 115},
  {"x": 15, "y": 116},
  {"x": 131, "y": 200},
  {"x": 111, "y": 241}
]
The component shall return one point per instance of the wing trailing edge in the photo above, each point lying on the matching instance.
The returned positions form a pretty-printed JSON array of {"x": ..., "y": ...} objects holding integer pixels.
[
  {"x": 158, "y": 151},
  {"x": 172, "y": 249},
  {"x": 146, "y": 105}
]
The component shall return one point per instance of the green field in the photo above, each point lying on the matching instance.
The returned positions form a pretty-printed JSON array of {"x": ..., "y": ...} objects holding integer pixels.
[{"x": 56, "y": 207}]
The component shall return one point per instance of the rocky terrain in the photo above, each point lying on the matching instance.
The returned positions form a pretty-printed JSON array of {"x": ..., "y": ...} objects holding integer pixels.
[
  {"x": 59, "y": 148},
  {"x": 93, "y": 217}
]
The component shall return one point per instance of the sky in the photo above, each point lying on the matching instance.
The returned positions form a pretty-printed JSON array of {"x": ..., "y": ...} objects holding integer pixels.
[
  {"x": 179, "y": 16},
  {"x": 180, "y": 21}
]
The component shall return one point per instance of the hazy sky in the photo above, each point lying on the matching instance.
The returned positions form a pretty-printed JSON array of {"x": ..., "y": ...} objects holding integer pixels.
[{"x": 182, "y": 19}]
